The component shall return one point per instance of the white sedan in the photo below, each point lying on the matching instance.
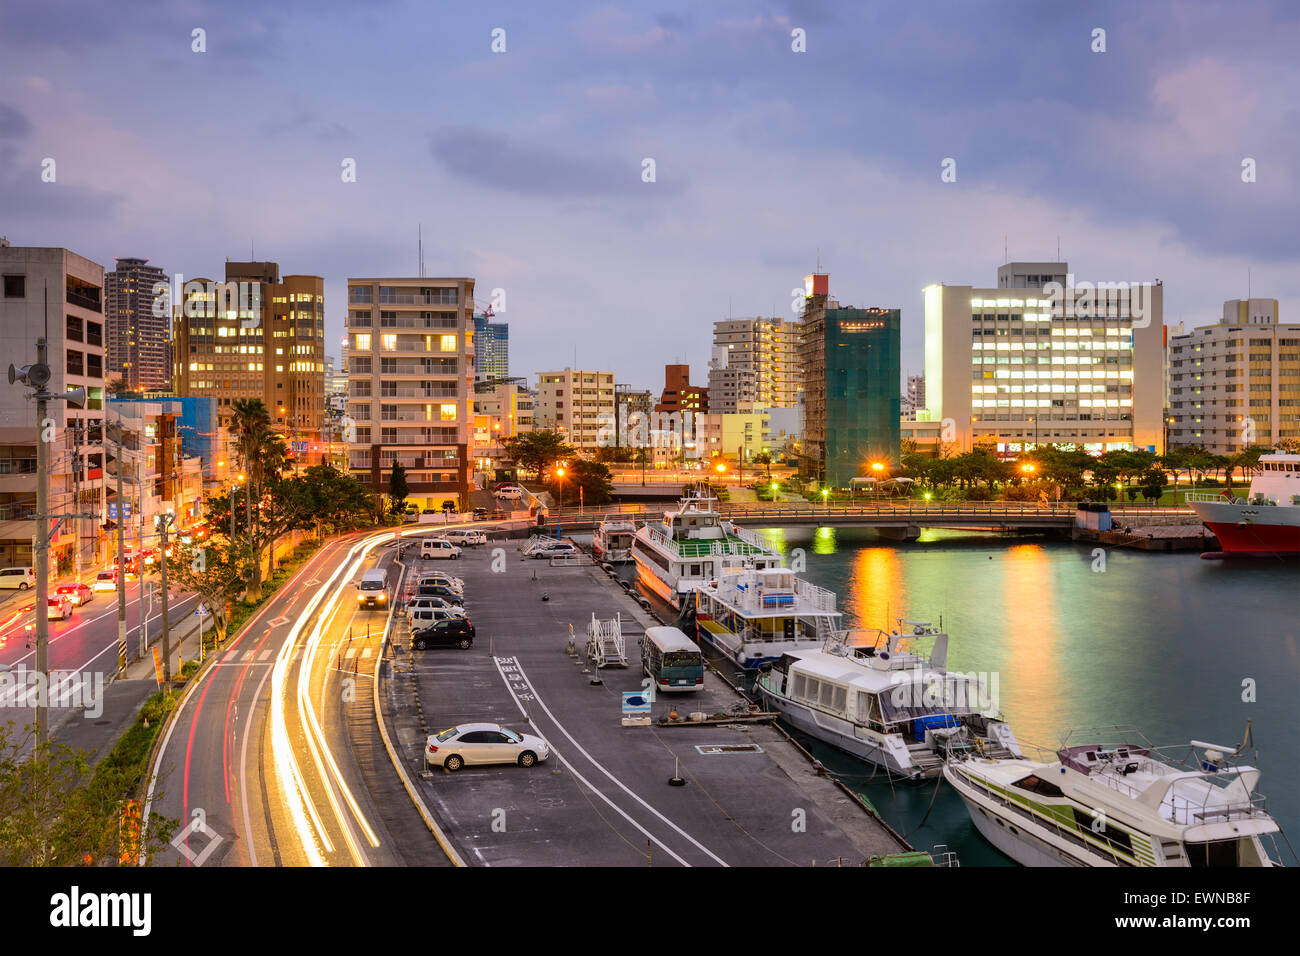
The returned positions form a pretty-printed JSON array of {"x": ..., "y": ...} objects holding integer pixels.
[{"x": 471, "y": 744}]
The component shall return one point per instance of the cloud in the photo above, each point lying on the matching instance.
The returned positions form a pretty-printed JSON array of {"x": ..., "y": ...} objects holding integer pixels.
[
  {"x": 493, "y": 161},
  {"x": 13, "y": 124}
]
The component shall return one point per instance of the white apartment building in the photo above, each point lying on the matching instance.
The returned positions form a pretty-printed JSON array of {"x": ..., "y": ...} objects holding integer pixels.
[
  {"x": 55, "y": 293},
  {"x": 763, "y": 361},
  {"x": 576, "y": 403},
  {"x": 1235, "y": 383},
  {"x": 410, "y": 372},
  {"x": 1023, "y": 364}
]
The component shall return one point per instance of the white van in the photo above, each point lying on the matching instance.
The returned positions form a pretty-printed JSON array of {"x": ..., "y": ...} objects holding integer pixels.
[
  {"x": 438, "y": 577},
  {"x": 438, "y": 548},
  {"x": 422, "y": 617},
  {"x": 373, "y": 589},
  {"x": 17, "y": 578}
]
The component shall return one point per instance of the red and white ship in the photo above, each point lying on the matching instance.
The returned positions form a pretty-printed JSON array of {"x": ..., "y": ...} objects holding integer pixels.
[{"x": 1264, "y": 524}]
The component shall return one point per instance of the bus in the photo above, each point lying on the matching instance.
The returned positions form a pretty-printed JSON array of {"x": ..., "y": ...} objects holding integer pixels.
[{"x": 672, "y": 660}]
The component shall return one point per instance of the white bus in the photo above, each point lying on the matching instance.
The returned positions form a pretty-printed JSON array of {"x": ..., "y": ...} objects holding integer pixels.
[{"x": 672, "y": 660}]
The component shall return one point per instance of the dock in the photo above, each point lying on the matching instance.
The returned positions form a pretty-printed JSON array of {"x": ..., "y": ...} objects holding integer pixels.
[{"x": 751, "y": 796}]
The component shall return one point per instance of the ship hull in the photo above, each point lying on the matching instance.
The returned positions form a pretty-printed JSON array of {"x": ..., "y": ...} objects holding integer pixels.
[{"x": 1251, "y": 529}]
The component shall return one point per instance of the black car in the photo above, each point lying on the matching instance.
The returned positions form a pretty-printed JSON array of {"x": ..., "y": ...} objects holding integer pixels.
[
  {"x": 480, "y": 514},
  {"x": 438, "y": 590},
  {"x": 457, "y": 632}
]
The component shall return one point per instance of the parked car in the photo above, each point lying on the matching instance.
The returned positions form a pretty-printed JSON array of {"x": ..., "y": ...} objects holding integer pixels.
[
  {"x": 17, "y": 578},
  {"x": 438, "y": 548},
  {"x": 555, "y": 549},
  {"x": 511, "y": 492},
  {"x": 449, "y": 632},
  {"x": 448, "y": 506},
  {"x": 78, "y": 594},
  {"x": 427, "y": 601},
  {"x": 475, "y": 744},
  {"x": 105, "y": 581},
  {"x": 480, "y": 514},
  {"x": 422, "y": 617},
  {"x": 441, "y": 591},
  {"x": 465, "y": 536},
  {"x": 441, "y": 577}
]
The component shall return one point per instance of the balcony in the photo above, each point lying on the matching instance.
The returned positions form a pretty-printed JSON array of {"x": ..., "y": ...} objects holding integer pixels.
[
  {"x": 85, "y": 296},
  {"x": 441, "y": 323},
  {"x": 417, "y": 392}
]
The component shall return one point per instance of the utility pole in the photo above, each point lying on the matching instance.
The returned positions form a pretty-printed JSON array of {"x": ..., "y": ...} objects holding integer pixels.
[
  {"x": 139, "y": 556},
  {"x": 37, "y": 376},
  {"x": 115, "y": 430},
  {"x": 164, "y": 520}
]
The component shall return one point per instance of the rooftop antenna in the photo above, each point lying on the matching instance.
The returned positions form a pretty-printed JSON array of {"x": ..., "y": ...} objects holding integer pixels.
[{"x": 1058, "y": 248}]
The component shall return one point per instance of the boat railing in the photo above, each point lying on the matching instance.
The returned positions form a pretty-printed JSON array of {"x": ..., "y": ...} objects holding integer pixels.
[
  {"x": 747, "y": 595},
  {"x": 1212, "y": 497}
]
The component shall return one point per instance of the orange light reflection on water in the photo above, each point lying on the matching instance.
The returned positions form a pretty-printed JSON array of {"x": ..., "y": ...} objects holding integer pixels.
[{"x": 1031, "y": 646}]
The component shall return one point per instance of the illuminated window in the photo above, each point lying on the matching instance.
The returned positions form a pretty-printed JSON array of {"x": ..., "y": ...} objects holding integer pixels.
[
  {"x": 388, "y": 342},
  {"x": 448, "y": 343},
  {"x": 448, "y": 411}
]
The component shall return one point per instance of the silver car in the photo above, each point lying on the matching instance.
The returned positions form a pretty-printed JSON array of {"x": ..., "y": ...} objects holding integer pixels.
[{"x": 473, "y": 744}]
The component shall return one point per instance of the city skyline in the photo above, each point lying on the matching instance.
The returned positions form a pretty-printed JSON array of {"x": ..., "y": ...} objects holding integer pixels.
[{"x": 767, "y": 161}]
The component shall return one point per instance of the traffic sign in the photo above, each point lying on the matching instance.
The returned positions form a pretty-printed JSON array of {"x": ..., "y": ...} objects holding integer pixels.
[{"x": 112, "y": 510}]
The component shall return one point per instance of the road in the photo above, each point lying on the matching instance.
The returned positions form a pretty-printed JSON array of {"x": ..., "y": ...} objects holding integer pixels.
[{"x": 274, "y": 758}]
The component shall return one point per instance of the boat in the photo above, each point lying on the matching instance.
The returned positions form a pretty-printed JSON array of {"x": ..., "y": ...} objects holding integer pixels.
[
  {"x": 692, "y": 546},
  {"x": 1266, "y": 523},
  {"x": 612, "y": 542},
  {"x": 754, "y": 616},
  {"x": 1110, "y": 798},
  {"x": 902, "y": 711}
]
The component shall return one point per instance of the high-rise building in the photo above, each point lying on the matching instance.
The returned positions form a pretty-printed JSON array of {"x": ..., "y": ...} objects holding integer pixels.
[
  {"x": 491, "y": 349},
  {"x": 1235, "y": 383},
  {"x": 850, "y": 360},
  {"x": 137, "y": 325},
  {"x": 914, "y": 398},
  {"x": 679, "y": 395},
  {"x": 731, "y": 389},
  {"x": 56, "y": 294},
  {"x": 763, "y": 357},
  {"x": 411, "y": 385},
  {"x": 256, "y": 335},
  {"x": 1039, "y": 359},
  {"x": 577, "y": 403}
]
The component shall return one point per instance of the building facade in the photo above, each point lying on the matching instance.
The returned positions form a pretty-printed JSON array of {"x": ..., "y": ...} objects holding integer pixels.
[
  {"x": 1235, "y": 383},
  {"x": 56, "y": 293},
  {"x": 256, "y": 335},
  {"x": 411, "y": 385},
  {"x": 1040, "y": 359},
  {"x": 577, "y": 403},
  {"x": 137, "y": 324},
  {"x": 491, "y": 349},
  {"x": 679, "y": 395},
  {"x": 764, "y": 354}
]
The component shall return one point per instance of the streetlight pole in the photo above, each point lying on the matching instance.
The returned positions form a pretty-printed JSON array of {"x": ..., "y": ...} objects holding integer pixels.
[
  {"x": 559, "y": 508},
  {"x": 164, "y": 520}
]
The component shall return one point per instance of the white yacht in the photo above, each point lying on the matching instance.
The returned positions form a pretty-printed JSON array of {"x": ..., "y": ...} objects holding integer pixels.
[
  {"x": 692, "y": 546},
  {"x": 612, "y": 542},
  {"x": 892, "y": 707},
  {"x": 1112, "y": 799},
  {"x": 754, "y": 616}
]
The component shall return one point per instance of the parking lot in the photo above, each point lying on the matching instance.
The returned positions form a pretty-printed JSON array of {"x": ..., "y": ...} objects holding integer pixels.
[{"x": 604, "y": 798}]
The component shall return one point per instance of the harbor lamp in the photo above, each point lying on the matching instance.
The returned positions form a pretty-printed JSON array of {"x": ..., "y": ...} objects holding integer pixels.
[{"x": 826, "y": 493}]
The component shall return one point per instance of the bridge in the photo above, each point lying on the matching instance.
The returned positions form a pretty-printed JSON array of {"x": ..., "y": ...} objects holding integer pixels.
[{"x": 899, "y": 520}]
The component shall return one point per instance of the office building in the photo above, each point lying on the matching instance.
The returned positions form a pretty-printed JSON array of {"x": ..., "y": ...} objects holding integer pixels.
[
  {"x": 1023, "y": 364},
  {"x": 256, "y": 335},
  {"x": 679, "y": 395},
  {"x": 850, "y": 359},
  {"x": 731, "y": 389},
  {"x": 137, "y": 325},
  {"x": 1235, "y": 383},
  {"x": 57, "y": 294},
  {"x": 411, "y": 385},
  {"x": 491, "y": 349}
]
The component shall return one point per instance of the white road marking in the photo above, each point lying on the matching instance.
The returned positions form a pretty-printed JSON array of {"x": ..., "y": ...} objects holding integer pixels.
[
  {"x": 524, "y": 678},
  {"x": 365, "y": 652}
]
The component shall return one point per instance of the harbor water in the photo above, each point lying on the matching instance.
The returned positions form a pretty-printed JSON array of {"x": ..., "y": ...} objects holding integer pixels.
[{"x": 1069, "y": 637}]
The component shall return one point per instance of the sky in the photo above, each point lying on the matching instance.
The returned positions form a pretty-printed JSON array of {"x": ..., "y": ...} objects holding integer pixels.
[{"x": 525, "y": 168}]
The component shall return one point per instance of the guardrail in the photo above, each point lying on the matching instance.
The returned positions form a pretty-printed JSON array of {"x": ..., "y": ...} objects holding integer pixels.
[{"x": 918, "y": 509}]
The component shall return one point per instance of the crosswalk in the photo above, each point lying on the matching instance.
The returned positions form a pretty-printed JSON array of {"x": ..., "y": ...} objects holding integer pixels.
[
  {"x": 73, "y": 690},
  {"x": 250, "y": 656}
]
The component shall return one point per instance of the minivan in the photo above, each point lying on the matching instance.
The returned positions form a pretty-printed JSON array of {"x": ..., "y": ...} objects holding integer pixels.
[
  {"x": 422, "y": 617},
  {"x": 429, "y": 601},
  {"x": 553, "y": 549},
  {"x": 441, "y": 577},
  {"x": 441, "y": 591},
  {"x": 17, "y": 578},
  {"x": 438, "y": 548},
  {"x": 373, "y": 589}
]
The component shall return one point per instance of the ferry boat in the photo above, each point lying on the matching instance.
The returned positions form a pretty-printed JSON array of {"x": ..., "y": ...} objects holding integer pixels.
[
  {"x": 890, "y": 707},
  {"x": 612, "y": 542},
  {"x": 1264, "y": 524},
  {"x": 1112, "y": 799},
  {"x": 692, "y": 546},
  {"x": 754, "y": 616}
]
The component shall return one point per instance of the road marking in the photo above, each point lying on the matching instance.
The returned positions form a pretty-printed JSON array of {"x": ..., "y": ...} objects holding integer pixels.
[
  {"x": 265, "y": 655},
  {"x": 365, "y": 652},
  {"x": 524, "y": 678},
  {"x": 350, "y": 653}
]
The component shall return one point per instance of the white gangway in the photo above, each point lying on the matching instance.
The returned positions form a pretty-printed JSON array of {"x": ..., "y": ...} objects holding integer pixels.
[{"x": 606, "y": 646}]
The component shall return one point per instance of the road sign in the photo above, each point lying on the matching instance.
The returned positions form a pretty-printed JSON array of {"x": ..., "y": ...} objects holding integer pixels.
[
  {"x": 201, "y": 610},
  {"x": 112, "y": 510},
  {"x": 157, "y": 666}
]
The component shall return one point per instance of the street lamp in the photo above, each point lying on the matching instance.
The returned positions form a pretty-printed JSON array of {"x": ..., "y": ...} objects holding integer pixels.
[
  {"x": 559, "y": 508},
  {"x": 826, "y": 492},
  {"x": 1028, "y": 469}
]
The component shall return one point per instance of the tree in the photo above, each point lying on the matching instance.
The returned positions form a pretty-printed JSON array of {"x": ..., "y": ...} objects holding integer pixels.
[
  {"x": 537, "y": 450},
  {"x": 764, "y": 458},
  {"x": 118, "y": 388},
  {"x": 397, "y": 488},
  {"x": 593, "y": 477},
  {"x": 216, "y": 570},
  {"x": 334, "y": 498}
]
